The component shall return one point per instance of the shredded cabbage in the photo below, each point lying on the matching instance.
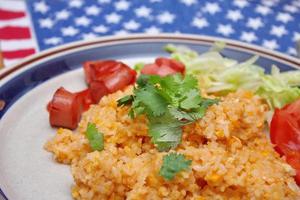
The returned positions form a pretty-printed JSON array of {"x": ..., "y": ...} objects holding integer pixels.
[{"x": 221, "y": 75}]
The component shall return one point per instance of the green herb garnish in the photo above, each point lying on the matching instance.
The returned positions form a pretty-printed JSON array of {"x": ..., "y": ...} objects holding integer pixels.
[
  {"x": 172, "y": 164},
  {"x": 169, "y": 103},
  {"x": 138, "y": 67},
  {"x": 95, "y": 137}
]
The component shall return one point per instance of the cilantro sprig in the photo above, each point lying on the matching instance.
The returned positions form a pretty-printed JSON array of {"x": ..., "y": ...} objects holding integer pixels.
[
  {"x": 169, "y": 103},
  {"x": 172, "y": 164},
  {"x": 95, "y": 137}
]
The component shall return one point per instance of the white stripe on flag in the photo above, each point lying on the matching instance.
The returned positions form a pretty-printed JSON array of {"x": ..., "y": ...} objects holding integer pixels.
[
  {"x": 20, "y": 22},
  {"x": 13, "y": 5},
  {"x": 12, "y": 45},
  {"x": 10, "y": 62}
]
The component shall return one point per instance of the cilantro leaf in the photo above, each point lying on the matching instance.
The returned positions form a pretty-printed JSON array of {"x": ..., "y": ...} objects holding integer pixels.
[
  {"x": 165, "y": 131},
  {"x": 169, "y": 102},
  {"x": 125, "y": 100},
  {"x": 153, "y": 103},
  {"x": 192, "y": 100},
  {"x": 172, "y": 164},
  {"x": 96, "y": 139}
]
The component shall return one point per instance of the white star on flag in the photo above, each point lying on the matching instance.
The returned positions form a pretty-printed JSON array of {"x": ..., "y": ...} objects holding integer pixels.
[
  {"x": 269, "y": 3},
  {"x": 248, "y": 36},
  {"x": 270, "y": 44},
  {"x": 296, "y": 3},
  {"x": 188, "y": 2},
  {"x": 82, "y": 21},
  {"x": 166, "y": 18},
  {"x": 284, "y": 17},
  {"x": 53, "y": 41},
  {"x": 103, "y": 1},
  {"x": 131, "y": 25},
  {"x": 69, "y": 31},
  {"x": 254, "y": 23},
  {"x": 278, "y": 31},
  {"x": 263, "y": 10},
  {"x": 100, "y": 29},
  {"x": 143, "y": 11},
  {"x": 121, "y": 32},
  {"x": 292, "y": 51},
  {"x": 89, "y": 36},
  {"x": 92, "y": 10},
  {"x": 225, "y": 30},
  {"x": 46, "y": 23},
  {"x": 62, "y": 15},
  {"x": 122, "y": 5},
  {"x": 199, "y": 22},
  {"x": 41, "y": 7},
  {"x": 211, "y": 8},
  {"x": 290, "y": 8},
  {"x": 75, "y": 3},
  {"x": 234, "y": 15},
  {"x": 241, "y": 3},
  {"x": 113, "y": 18},
  {"x": 296, "y": 36},
  {"x": 152, "y": 30}
]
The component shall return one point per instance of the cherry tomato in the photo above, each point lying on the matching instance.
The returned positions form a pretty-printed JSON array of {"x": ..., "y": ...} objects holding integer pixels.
[
  {"x": 285, "y": 134},
  {"x": 163, "y": 67},
  {"x": 174, "y": 64},
  {"x": 65, "y": 109}
]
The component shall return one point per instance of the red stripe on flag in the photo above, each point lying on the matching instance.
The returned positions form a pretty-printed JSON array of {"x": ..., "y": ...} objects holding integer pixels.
[
  {"x": 6, "y": 14},
  {"x": 18, "y": 53},
  {"x": 13, "y": 32}
]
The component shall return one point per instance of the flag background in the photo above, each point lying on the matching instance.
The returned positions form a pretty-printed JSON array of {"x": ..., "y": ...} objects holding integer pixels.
[{"x": 26, "y": 28}]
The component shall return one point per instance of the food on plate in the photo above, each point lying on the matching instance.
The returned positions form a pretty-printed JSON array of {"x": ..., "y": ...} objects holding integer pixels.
[
  {"x": 188, "y": 127},
  {"x": 102, "y": 77}
]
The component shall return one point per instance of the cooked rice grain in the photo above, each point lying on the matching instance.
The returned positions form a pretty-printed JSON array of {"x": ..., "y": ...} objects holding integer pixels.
[{"x": 232, "y": 157}]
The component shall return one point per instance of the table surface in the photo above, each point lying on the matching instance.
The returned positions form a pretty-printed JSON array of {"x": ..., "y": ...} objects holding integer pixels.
[{"x": 273, "y": 24}]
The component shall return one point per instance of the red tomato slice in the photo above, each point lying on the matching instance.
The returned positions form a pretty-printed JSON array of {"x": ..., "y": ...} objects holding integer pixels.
[
  {"x": 285, "y": 134},
  {"x": 295, "y": 163},
  {"x": 163, "y": 67},
  {"x": 64, "y": 109},
  {"x": 150, "y": 69},
  {"x": 174, "y": 64}
]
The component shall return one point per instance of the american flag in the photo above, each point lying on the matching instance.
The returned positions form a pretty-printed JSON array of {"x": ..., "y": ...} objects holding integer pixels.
[
  {"x": 272, "y": 24},
  {"x": 16, "y": 38}
]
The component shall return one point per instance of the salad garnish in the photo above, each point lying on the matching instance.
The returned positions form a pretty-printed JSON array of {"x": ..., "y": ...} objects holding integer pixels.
[
  {"x": 173, "y": 163},
  {"x": 221, "y": 75},
  {"x": 96, "y": 138},
  {"x": 169, "y": 103}
]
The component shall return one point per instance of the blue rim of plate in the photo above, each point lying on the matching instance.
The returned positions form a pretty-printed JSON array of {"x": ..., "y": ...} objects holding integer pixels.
[{"x": 28, "y": 65}]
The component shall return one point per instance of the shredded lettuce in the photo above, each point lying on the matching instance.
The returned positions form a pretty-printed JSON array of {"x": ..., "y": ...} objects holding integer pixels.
[{"x": 221, "y": 75}]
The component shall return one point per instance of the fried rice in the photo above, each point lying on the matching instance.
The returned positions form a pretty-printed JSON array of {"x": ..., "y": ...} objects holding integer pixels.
[{"x": 232, "y": 158}]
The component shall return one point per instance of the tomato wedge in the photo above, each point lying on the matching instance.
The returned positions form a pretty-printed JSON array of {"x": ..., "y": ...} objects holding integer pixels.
[
  {"x": 163, "y": 67},
  {"x": 285, "y": 134},
  {"x": 65, "y": 109}
]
